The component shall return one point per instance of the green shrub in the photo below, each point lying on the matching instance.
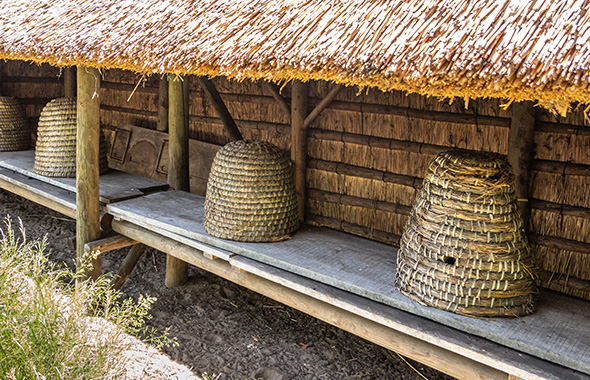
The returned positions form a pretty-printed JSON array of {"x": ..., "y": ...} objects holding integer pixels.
[{"x": 48, "y": 326}]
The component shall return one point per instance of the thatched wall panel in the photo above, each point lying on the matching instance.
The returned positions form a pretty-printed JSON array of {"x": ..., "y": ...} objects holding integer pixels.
[
  {"x": 567, "y": 189},
  {"x": 563, "y": 147},
  {"x": 559, "y": 225},
  {"x": 339, "y": 120},
  {"x": 379, "y": 220},
  {"x": 562, "y": 262}
]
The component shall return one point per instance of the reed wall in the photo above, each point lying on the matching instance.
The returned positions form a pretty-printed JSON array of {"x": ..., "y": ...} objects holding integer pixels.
[{"x": 368, "y": 151}]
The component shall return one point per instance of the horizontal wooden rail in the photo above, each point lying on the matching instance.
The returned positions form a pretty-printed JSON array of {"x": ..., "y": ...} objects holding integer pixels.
[
  {"x": 562, "y": 128},
  {"x": 559, "y": 208},
  {"x": 128, "y": 110},
  {"x": 355, "y": 229},
  {"x": 130, "y": 87},
  {"x": 560, "y": 243},
  {"x": 564, "y": 280},
  {"x": 350, "y": 200},
  {"x": 357, "y": 171},
  {"x": 31, "y": 80},
  {"x": 560, "y": 167}
]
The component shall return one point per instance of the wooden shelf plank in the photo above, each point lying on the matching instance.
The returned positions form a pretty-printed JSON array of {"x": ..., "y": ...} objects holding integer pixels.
[
  {"x": 47, "y": 195},
  {"x": 557, "y": 331},
  {"x": 114, "y": 185}
]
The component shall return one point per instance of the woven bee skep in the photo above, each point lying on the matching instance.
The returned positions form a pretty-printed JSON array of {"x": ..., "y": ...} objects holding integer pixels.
[
  {"x": 55, "y": 152},
  {"x": 250, "y": 194},
  {"x": 15, "y": 132},
  {"x": 464, "y": 248}
]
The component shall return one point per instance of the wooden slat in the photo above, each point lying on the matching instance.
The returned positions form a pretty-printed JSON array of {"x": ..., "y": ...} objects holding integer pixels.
[
  {"x": 228, "y": 122},
  {"x": 47, "y": 195}
]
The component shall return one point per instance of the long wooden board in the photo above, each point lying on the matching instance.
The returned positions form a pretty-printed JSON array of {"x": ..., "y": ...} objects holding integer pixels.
[
  {"x": 55, "y": 198},
  {"x": 558, "y": 331},
  {"x": 114, "y": 185},
  {"x": 479, "y": 349}
]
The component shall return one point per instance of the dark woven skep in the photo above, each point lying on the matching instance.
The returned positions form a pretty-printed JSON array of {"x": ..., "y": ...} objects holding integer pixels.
[
  {"x": 250, "y": 194},
  {"x": 15, "y": 132},
  {"x": 464, "y": 248},
  {"x": 55, "y": 152}
]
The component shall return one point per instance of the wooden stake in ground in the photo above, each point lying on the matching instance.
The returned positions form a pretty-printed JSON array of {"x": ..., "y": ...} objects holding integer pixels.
[
  {"x": 87, "y": 201},
  {"x": 178, "y": 161}
]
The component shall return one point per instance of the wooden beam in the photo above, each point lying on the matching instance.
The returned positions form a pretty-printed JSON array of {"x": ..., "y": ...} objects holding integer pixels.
[
  {"x": 322, "y": 105},
  {"x": 135, "y": 253},
  {"x": 163, "y": 106},
  {"x": 87, "y": 145},
  {"x": 299, "y": 98},
  {"x": 69, "y": 82},
  {"x": 520, "y": 152},
  {"x": 430, "y": 354},
  {"x": 108, "y": 244},
  {"x": 178, "y": 166},
  {"x": 274, "y": 91},
  {"x": 213, "y": 95}
]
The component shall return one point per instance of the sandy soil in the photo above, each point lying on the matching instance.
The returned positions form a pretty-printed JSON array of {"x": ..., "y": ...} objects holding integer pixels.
[{"x": 225, "y": 329}]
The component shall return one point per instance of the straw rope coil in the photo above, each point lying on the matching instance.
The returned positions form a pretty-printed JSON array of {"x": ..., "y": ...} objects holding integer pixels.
[
  {"x": 15, "y": 132},
  {"x": 250, "y": 194},
  {"x": 55, "y": 152},
  {"x": 464, "y": 248}
]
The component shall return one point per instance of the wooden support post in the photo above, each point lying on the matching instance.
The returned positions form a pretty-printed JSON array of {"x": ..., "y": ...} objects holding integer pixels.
[
  {"x": 178, "y": 170},
  {"x": 521, "y": 151},
  {"x": 163, "y": 106},
  {"x": 213, "y": 95},
  {"x": 69, "y": 82},
  {"x": 87, "y": 202},
  {"x": 280, "y": 100},
  {"x": 128, "y": 264},
  {"x": 300, "y": 94}
]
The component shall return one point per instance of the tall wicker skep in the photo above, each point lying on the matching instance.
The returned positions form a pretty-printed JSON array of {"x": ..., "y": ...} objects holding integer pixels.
[
  {"x": 15, "y": 132},
  {"x": 250, "y": 194},
  {"x": 55, "y": 152},
  {"x": 464, "y": 248}
]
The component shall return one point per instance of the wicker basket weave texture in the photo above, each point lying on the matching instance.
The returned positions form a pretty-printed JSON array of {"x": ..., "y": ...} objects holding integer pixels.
[
  {"x": 464, "y": 248},
  {"x": 15, "y": 132},
  {"x": 55, "y": 151},
  {"x": 250, "y": 194}
]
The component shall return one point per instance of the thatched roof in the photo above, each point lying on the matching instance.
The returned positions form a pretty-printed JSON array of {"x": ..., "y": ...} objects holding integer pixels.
[{"x": 465, "y": 48}]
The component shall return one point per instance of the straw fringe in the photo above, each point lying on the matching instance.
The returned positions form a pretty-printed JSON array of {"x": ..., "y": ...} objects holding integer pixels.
[{"x": 446, "y": 49}]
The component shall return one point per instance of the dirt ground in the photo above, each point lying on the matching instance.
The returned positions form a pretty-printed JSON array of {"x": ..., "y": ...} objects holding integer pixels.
[{"x": 225, "y": 329}]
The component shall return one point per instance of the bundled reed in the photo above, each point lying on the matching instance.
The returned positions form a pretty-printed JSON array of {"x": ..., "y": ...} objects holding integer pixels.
[
  {"x": 55, "y": 152},
  {"x": 250, "y": 194},
  {"x": 464, "y": 248},
  {"x": 15, "y": 133}
]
